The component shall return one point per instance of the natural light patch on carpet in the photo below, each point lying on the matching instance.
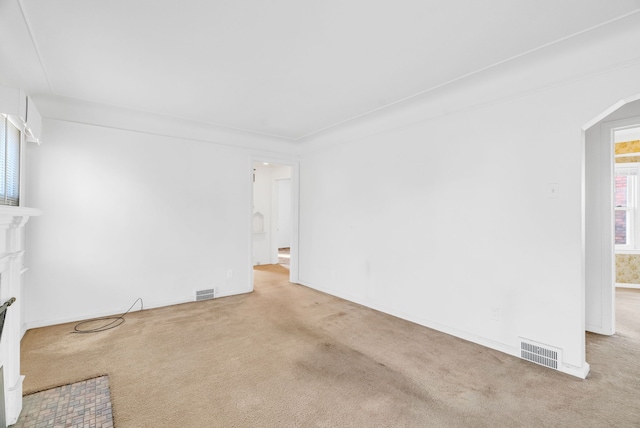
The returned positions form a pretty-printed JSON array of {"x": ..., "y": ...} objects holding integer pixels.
[{"x": 81, "y": 404}]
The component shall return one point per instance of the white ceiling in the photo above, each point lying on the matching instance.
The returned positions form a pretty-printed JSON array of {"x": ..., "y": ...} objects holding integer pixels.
[{"x": 286, "y": 68}]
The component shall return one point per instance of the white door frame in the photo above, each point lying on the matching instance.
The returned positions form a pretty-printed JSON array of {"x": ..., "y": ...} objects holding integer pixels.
[
  {"x": 275, "y": 210},
  {"x": 599, "y": 247},
  {"x": 295, "y": 213}
]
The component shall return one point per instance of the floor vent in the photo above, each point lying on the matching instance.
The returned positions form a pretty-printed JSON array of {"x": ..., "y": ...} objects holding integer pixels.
[
  {"x": 540, "y": 354},
  {"x": 204, "y": 294}
]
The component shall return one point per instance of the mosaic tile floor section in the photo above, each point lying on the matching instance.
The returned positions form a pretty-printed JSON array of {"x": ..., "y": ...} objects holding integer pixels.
[{"x": 85, "y": 404}]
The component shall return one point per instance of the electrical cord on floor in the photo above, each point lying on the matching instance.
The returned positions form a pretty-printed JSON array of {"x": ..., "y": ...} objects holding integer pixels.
[{"x": 115, "y": 321}]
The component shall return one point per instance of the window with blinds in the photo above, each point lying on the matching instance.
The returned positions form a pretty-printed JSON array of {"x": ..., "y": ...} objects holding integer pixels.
[
  {"x": 9, "y": 162},
  {"x": 625, "y": 205}
]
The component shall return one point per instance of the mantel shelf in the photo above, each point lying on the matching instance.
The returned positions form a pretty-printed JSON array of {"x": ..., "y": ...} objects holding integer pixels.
[{"x": 7, "y": 211}]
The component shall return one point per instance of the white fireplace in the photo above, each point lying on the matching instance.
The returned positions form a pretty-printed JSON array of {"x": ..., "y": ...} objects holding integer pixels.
[{"x": 12, "y": 221}]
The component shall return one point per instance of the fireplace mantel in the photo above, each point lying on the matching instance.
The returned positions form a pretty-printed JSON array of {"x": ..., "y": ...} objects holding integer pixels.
[
  {"x": 12, "y": 221},
  {"x": 7, "y": 211}
]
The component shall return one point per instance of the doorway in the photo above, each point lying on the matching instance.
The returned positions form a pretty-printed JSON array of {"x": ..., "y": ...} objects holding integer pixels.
[
  {"x": 605, "y": 224},
  {"x": 274, "y": 211},
  {"x": 626, "y": 188}
]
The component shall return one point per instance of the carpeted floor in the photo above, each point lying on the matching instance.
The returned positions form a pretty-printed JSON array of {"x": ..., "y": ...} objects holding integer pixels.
[
  {"x": 288, "y": 356},
  {"x": 84, "y": 404}
]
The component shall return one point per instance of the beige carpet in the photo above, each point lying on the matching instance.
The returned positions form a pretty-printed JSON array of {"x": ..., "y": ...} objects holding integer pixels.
[{"x": 287, "y": 356}]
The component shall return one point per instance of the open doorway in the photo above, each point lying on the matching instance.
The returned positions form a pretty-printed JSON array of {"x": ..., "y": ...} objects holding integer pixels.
[
  {"x": 612, "y": 221},
  {"x": 626, "y": 205},
  {"x": 274, "y": 216}
]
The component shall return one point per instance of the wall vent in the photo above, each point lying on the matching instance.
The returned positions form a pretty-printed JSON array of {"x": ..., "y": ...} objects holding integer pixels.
[
  {"x": 204, "y": 294},
  {"x": 544, "y": 355}
]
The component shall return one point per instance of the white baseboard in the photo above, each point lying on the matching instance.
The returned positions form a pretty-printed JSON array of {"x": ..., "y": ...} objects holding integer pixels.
[
  {"x": 502, "y": 347},
  {"x": 580, "y": 372},
  {"x": 625, "y": 285},
  {"x": 598, "y": 330},
  {"x": 47, "y": 323},
  {"x": 14, "y": 401},
  {"x": 152, "y": 305},
  {"x": 233, "y": 292}
]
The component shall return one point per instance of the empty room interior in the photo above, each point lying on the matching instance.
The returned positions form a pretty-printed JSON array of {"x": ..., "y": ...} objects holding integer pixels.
[{"x": 294, "y": 213}]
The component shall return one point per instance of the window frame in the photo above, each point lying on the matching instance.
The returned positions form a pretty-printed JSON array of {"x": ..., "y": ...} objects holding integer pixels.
[
  {"x": 19, "y": 125},
  {"x": 633, "y": 217}
]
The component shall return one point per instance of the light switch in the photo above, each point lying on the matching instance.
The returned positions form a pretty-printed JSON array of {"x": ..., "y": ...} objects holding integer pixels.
[{"x": 553, "y": 190}]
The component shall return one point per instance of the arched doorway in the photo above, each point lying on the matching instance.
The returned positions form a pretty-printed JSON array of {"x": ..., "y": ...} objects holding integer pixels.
[{"x": 599, "y": 213}]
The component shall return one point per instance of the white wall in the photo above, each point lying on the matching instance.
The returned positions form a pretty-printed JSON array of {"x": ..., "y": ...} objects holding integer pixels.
[
  {"x": 129, "y": 214},
  {"x": 442, "y": 206}
]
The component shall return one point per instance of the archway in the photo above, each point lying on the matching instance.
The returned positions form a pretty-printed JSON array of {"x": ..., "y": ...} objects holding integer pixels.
[{"x": 598, "y": 209}]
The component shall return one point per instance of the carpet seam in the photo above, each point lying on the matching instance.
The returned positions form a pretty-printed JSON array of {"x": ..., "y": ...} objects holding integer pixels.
[{"x": 24, "y": 394}]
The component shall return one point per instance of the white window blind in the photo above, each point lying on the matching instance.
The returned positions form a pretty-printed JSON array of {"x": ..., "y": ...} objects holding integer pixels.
[
  {"x": 9, "y": 162},
  {"x": 622, "y": 169},
  {"x": 626, "y": 206}
]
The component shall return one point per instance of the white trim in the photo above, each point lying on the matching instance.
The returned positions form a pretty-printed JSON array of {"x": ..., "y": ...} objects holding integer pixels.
[
  {"x": 597, "y": 329},
  {"x": 228, "y": 293},
  {"x": 11, "y": 211},
  {"x": 16, "y": 405},
  {"x": 15, "y": 121},
  {"x": 92, "y": 114},
  {"x": 627, "y": 155},
  {"x": 580, "y": 372},
  {"x": 625, "y": 285},
  {"x": 464, "y": 77},
  {"x": 607, "y": 302},
  {"x": 609, "y": 111},
  {"x": 154, "y": 305},
  {"x": 633, "y": 237},
  {"x": 250, "y": 258},
  {"x": 275, "y": 197},
  {"x": 627, "y": 250},
  {"x": 47, "y": 323}
]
